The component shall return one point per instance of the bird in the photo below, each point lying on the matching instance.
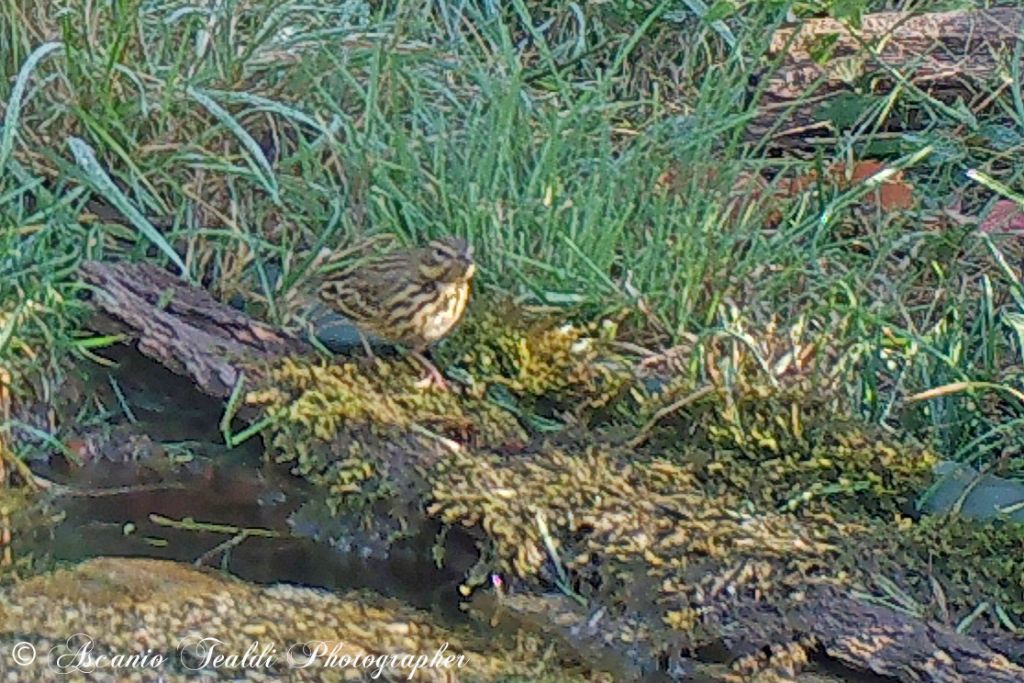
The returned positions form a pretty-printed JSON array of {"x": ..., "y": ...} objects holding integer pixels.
[{"x": 409, "y": 297}]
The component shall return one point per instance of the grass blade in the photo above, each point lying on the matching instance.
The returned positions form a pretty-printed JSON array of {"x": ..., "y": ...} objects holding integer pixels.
[
  {"x": 264, "y": 171},
  {"x": 14, "y": 104},
  {"x": 85, "y": 157}
]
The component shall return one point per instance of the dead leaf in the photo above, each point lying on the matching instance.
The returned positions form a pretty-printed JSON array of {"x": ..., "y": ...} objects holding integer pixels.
[
  {"x": 892, "y": 194},
  {"x": 1005, "y": 215},
  {"x": 751, "y": 188}
]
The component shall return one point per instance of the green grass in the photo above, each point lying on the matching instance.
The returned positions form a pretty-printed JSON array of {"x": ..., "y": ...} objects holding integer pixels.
[{"x": 237, "y": 143}]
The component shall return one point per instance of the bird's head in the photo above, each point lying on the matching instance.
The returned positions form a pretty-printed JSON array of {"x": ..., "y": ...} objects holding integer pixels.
[{"x": 447, "y": 260}]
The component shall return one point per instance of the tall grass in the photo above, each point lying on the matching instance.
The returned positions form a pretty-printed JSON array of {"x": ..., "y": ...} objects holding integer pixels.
[{"x": 233, "y": 141}]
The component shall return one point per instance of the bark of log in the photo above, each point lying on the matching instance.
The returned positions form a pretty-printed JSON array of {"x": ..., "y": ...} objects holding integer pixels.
[
  {"x": 956, "y": 50},
  {"x": 183, "y": 328},
  {"x": 872, "y": 638},
  {"x": 860, "y": 636},
  {"x": 192, "y": 334}
]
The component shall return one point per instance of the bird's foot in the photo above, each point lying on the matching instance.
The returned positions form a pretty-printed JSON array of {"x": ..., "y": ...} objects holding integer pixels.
[{"x": 434, "y": 378}]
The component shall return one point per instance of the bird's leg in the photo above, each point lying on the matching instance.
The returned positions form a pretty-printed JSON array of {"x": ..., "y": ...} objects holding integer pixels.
[
  {"x": 434, "y": 376},
  {"x": 366, "y": 346},
  {"x": 371, "y": 358}
]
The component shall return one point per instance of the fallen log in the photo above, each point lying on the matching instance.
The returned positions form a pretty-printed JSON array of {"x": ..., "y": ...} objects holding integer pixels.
[
  {"x": 883, "y": 641},
  {"x": 192, "y": 334},
  {"x": 955, "y": 51},
  {"x": 183, "y": 328}
]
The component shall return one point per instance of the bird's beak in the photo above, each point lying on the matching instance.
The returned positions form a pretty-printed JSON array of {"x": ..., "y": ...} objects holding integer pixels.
[{"x": 470, "y": 269}]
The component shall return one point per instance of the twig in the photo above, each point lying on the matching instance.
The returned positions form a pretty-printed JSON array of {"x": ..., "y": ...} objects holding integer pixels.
[
  {"x": 222, "y": 547},
  {"x": 452, "y": 446},
  {"x": 549, "y": 545},
  {"x": 645, "y": 431},
  {"x": 8, "y": 457},
  {"x": 189, "y": 524},
  {"x": 239, "y": 534},
  {"x": 64, "y": 490}
]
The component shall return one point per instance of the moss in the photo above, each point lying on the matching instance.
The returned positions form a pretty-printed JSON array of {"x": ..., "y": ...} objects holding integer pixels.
[
  {"x": 323, "y": 415},
  {"x": 536, "y": 356},
  {"x": 21, "y": 517},
  {"x": 788, "y": 448},
  {"x": 326, "y": 399},
  {"x": 956, "y": 564},
  {"x": 644, "y": 537},
  {"x": 759, "y": 491},
  {"x": 643, "y": 541},
  {"x": 604, "y": 516}
]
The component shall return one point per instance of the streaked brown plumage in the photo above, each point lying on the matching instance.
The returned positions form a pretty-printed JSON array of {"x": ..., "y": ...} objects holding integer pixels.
[{"x": 411, "y": 297}]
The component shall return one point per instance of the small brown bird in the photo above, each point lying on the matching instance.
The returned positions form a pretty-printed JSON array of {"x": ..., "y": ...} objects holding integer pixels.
[{"x": 411, "y": 297}]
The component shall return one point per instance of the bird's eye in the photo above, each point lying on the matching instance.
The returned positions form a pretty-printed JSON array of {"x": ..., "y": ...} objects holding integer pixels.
[{"x": 440, "y": 254}]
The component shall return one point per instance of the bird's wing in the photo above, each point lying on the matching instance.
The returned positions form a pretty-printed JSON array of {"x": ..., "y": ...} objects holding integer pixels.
[{"x": 362, "y": 291}]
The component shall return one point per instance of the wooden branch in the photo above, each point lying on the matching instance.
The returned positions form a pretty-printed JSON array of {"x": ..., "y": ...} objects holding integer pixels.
[
  {"x": 959, "y": 37},
  {"x": 871, "y": 638},
  {"x": 181, "y": 327},
  {"x": 862, "y": 637},
  {"x": 933, "y": 50}
]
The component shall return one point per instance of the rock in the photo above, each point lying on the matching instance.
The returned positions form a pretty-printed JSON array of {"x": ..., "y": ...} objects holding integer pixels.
[{"x": 140, "y": 619}]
